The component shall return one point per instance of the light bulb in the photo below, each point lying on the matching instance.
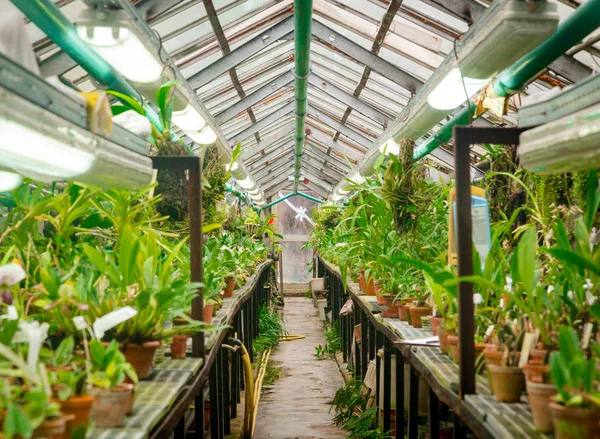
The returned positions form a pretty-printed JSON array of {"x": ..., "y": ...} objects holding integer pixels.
[
  {"x": 450, "y": 92},
  {"x": 123, "y": 49},
  {"x": 9, "y": 181}
]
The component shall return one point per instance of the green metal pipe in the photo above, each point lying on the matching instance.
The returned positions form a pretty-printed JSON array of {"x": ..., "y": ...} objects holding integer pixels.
[
  {"x": 233, "y": 190},
  {"x": 444, "y": 134},
  {"x": 302, "y": 29},
  {"x": 583, "y": 21},
  {"x": 279, "y": 200},
  {"x": 310, "y": 197}
]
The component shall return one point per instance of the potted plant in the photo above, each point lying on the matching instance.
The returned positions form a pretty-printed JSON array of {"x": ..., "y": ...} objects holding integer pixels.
[
  {"x": 420, "y": 306},
  {"x": 508, "y": 378},
  {"x": 69, "y": 391},
  {"x": 576, "y": 407},
  {"x": 113, "y": 396}
]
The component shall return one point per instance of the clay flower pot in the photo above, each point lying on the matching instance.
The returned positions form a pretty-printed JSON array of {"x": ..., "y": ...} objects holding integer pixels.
[
  {"x": 575, "y": 422},
  {"x": 444, "y": 346},
  {"x": 491, "y": 356},
  {"x": 537, "y": 355},
  {"x": 536, "y": 372},
  {"x": 509, "y": 382},
  {"x": 78, "y": 407},
  {"x": 178, "y": 347},
  {"x": 208, "y": 312},
  {"x": 111, "y": 406},
  {"x": 416, "y": 312},
  {"x": 228, "y": 290},
  {"x": 405, "y": 313},
  {"x": 51, "y": 429},
  {"x": 392, "y": 307},
  {"x": 539, "y": 402},
  {"x": 141, "y": 357},
  {"x": 454, "y": 346},
  {"x": 380, "y": 300},
  {"x": 361, "y": 280},
  {"x": 435, "y": 325}
]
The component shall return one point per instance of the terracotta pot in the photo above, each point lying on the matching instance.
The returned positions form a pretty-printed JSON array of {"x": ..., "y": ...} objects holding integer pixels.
[
  {"x": 492, "y": 356},
  {"x": 111, "y": 406},
  {"x": 454, "y": 346},
  {"x": 536, "y": 372},
  {"x": 380, "y": 300},
  {"x": 537, "y": 355},
  {"x": 68, "y": 426},
  {"x": 178, "y": 347},
  {"x": 131, "y": 401},
  {"x": 509, "y": 382},
  {"x": 228, "y": 290},
  {"x": 141, "y": 357},
  {"x": 361, "y": 280},
  {"x": 575, "y": 422},
  {"x": 402, "y": 312},
  {"x": 208, "y": 312},
  {"x": 370, "y": 287},
  {"x": 435, "y": 325},
  {"x": 416, "y": 312},
  {"x": 51, "y": 429},
  {"x": 539, "y": 402},
  {"x": 444, "y": 346},
  {"x": 405, "y": 311},
  {"x": 80, "y": 407},
  {"x": 392, "y": 307}
]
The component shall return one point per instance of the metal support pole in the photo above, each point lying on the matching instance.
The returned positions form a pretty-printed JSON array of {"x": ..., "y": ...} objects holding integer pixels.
[
  {"x": 413, "y": 405},
  {"x": 400, "y": 424},
  {"x": 434, "y": 415},
  {"x": 364, "y": 344},
  {"x": 387, "y": 387},
  {"x": 199, "y": 415}
]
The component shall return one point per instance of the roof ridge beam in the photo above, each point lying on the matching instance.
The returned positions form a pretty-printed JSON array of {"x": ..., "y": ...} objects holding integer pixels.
[
  {"x": 367, "y": 58},
  {"x": 282, "y": 81},
  {"x": 242, "y": 53}
]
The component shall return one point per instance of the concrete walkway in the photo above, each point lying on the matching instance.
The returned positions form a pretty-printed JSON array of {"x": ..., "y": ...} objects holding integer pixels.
[{"x": 297, "y": 405}]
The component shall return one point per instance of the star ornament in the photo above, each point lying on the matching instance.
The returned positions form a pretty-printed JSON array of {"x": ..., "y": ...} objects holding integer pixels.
[{"x": 300, "y": 213}]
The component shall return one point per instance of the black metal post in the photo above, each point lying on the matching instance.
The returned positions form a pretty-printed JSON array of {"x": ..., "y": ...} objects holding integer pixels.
[
  {"x": 463, "y": 138},
  {"x": 364, "y": 337},
  {"x": 400, "y": 424},
  {"x": 434, "y": 415},
  {"x": 413, "y": 405},
  {"x": 226, "y": 392},
  {"x": 387, "y": 386},
  {"x": 199, "y": 415}
]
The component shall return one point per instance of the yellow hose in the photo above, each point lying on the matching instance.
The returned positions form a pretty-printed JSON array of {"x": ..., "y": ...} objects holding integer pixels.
[
  {"x": 249, "y": 398},
  {"x": 291, "y": 337}
]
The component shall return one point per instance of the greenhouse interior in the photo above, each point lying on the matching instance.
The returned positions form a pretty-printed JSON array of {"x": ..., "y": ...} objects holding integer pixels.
[{"x": 299, "y": 219}]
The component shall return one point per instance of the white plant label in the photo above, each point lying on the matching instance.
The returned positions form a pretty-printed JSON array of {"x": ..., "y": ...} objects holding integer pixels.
[
  {"x": 587, "y": 334},
  {"x": 112, "y": 319},
  {"x": 526, "y": 348},
  {"x": 489, "y": 331}
]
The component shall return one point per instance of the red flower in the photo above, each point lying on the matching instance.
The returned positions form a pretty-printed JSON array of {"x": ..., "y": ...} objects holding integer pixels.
[{"x": 271, "y": 221}]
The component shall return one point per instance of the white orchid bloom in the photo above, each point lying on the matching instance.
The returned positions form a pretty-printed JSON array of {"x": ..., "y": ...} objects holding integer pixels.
[
  {"x": 11, "y": 274},
  {"x": 477, "y": 298},
  {"x": 550, "y": 289},
  {"x": 588, "y": 285},
  {"x": 11, "y": 313},
  {"x": 570, "y": 295},
  {"x": 508, "y": 287}
]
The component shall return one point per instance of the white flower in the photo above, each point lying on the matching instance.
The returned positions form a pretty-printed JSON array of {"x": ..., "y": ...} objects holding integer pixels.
[
  {"x": 11, "y": 274},
  {"x": 588, "y": 285},
  {"x": 502, "y": 303},
  {"x": 550, "y": 289},
  {"x": 508, "y": 287},
  {"x": 589, "y": 297},
  {"x": 570, "y": 295},
  {"x": 477, "y": 298}
]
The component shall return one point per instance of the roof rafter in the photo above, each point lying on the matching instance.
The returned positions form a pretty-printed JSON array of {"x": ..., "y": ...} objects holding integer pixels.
[
  {"x": 338, "y": 126},
  {"x": 242, "y": 53},
  {"x": 263, "y": 123},
  {"x": 269, "y": 140}
]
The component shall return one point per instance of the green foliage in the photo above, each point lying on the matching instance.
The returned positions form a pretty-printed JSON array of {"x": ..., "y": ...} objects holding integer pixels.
[
  {"x": 365, "y": 426},
  {"x": 333, "y": 342},
  {"x": 348, "y": 400},
  {"x": 270, "y": 329},
  {"x": 213, "y": 191},
  {"x": 109, "y": 367}
]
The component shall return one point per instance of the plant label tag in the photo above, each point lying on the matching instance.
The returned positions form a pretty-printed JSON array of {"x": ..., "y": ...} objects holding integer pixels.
[
  {"x": 112, "y": 319},
  {"x": 537, "y": 336},
  {"x": 489, "y": 331},
  {"x": 587, "y": 334},
  {"x": 526, "y": 348}
]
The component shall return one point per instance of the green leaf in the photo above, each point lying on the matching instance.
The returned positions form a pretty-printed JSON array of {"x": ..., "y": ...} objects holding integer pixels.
[
  {"x": 526, "y": 259},
  {"x": 593, "y": 199},
  {"x": 119, "y": 109},
  {"x": 573, "y": 258},
  {"x": 97, "y": 353},
  {"x": 128, "y": 101},
  {"x": 17, "y": 423}
]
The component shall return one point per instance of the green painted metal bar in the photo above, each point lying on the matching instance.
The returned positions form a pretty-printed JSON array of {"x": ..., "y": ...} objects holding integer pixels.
[
  {"x": 310, "y": 197},
  {"x": 302, "y": 38},
  {"x": 574, "y": 29},
  {"x": 583, "y": 21},
  {"x": 233, "y": 190},
  {"x": 279, "y": 200}
]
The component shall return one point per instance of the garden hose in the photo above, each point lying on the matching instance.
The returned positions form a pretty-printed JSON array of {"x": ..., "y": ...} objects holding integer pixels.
[
  {"x": 291, "y": 337},
  {"x": 249, "y": 392}
]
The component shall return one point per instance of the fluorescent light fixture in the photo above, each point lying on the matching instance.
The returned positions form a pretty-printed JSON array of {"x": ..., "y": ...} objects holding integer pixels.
[
  {"x": 341, "y": 191},
  {"x": 565, "y": 145},
  {"x": 390, "y": 147},
  {"x": 116, "y": 39},
  {"x": 9, "y": 181},
  {"x": 246, "y": 183},
  {"x": 39, "y": 144},
  {"x": 194, "y": 125},
  {"x": 450, "y": 92},
  {"x": 506, "y": 31},
  {"x": 337, "y": 197},
  {"x": 255, "y": 191},
  {"x": 255, "y": 197}
]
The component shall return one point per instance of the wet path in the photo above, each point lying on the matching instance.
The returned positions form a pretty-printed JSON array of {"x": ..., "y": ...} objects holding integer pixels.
[{"x": 297, "y": 404}]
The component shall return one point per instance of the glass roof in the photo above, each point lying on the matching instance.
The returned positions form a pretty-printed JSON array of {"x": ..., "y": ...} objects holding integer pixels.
[{"x": 350, "y": 105}]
